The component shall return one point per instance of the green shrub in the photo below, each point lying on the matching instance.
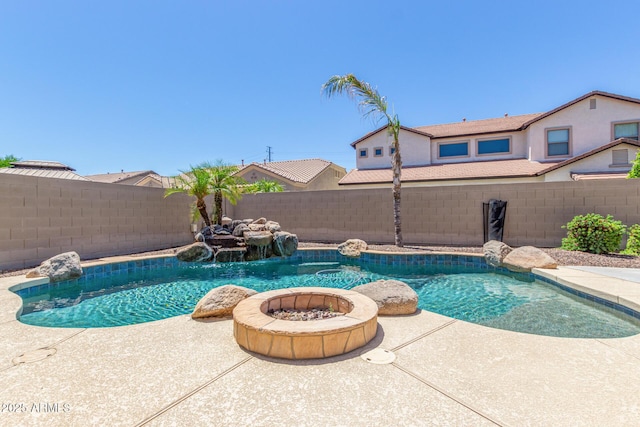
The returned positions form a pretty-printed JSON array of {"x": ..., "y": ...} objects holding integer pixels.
[
  {"x": 635, "y": 169},
  {"x": 593, "y": 233},
  {"x": 633, "y": 242}
]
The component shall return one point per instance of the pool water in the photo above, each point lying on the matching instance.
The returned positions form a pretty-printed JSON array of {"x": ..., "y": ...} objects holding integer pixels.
[{"x": 497, "y": 299}]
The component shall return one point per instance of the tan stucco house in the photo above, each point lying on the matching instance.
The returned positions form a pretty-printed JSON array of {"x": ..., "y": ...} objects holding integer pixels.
[
  {"x": 593, "y": 136},
  {"x": 296, "y": 175}
]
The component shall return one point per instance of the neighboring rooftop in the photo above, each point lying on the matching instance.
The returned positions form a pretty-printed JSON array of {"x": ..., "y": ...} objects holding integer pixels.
[
  {"x": 44, "y": 169},
  {"x": 302, "y": 171}
]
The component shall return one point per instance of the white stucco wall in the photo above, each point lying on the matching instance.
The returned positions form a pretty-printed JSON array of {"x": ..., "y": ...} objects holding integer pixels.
[
  {"x": 589, "y": 128},
  {"x": 414, "y": 150},
  {"x": 518, "y": 147}
]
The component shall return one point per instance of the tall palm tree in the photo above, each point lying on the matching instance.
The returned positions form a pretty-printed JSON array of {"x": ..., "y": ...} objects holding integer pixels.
[
  {"x": 373, "y": 105},
  {"x": 224, "y": 184},
  {"x": 195, "y": 182}
]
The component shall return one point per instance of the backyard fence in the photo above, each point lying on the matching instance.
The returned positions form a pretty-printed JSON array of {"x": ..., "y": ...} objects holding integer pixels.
[
  {"x": 451, "y": 215},
  {"x": 41, "y": 217}
]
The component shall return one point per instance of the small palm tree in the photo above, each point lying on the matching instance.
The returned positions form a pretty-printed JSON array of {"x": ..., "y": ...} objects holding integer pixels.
[
  {"x": 195, "y": 182},
  {"x": 373, "y": 105},
  {"x": 264, "y": 186},
  {"x": 224, "y": 184}
]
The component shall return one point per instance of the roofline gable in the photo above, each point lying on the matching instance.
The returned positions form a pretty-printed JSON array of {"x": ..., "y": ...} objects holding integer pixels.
[
  {"x": 582, "y": 98},
  {"x": 370, "y": 134},
  {"x": 590, "y": 153}
]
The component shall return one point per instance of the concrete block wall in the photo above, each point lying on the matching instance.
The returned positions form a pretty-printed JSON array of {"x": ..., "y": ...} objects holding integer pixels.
[
  {"x": 42, "y": 217},
  {"x": 449, "y": 215}
]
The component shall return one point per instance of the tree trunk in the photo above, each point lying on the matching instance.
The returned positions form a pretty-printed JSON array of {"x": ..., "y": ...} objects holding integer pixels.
[
  {"x": 202, "y": 208},
  {"x": 396, "y": 166},
  {"x": 217, "y": 215}
]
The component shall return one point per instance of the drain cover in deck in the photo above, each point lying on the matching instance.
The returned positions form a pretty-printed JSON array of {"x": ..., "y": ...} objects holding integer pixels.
[
  {"x": 34, "y": 356},
  {"x": 379, "y": 356}
]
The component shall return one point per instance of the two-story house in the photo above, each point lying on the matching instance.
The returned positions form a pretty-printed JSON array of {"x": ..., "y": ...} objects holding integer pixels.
[{"x": 594, "y": 136}]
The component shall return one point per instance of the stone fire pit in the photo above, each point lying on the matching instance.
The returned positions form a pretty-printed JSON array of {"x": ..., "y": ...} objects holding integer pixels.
[{"x": 256, "y": 331}]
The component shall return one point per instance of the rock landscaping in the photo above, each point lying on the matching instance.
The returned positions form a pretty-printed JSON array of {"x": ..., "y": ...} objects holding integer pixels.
[
  {"x": 240, "y": 240},
  {"x": 65, "y": 266},
  {"x": 352, "y": 247},
  {"x": 393, "y": 297},
  {"x": 522, "y": 259},
  {"x": 220, "y": 302}
]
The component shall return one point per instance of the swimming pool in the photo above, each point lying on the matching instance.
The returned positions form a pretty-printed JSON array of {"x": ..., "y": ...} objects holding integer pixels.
[{"x": 462, "y": 287}]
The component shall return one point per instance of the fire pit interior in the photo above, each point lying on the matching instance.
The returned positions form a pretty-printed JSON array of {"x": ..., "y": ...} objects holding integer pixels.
[{"x": 256, "y": 330}]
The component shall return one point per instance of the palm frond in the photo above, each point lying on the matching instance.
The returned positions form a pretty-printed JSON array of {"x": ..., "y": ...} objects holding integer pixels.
[{"x": 371, "y": 103}]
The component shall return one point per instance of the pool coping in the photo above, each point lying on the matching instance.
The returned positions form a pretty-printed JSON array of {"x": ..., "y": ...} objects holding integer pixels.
[{"x": 619, "y": 294}]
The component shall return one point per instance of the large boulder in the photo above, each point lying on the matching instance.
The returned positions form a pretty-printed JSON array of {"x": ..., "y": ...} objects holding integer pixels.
[
  {"x": 240, "y": 229},
  {"x": 257, "y": 227},
  {"x": 495, "y": 251},
  {"x": 272, "y": 226},
  {"x": 197, "y": 252},
  {"x": 392, "y": 296},
  {"x": 524, "y": 258},
  {"x": 262, "y": 220},
  {"x": 221, "y": 301},
  {"x": 230, "y": 255},
  {"x": 352, "y": 247},
  {"x": 284, "y": 243},
  {"x": 258, "y": 238},
  {"x": 65, "y": 266}
]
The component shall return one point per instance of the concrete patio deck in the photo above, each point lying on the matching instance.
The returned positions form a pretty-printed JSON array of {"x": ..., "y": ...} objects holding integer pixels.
[{"x": 181, "y": 371}]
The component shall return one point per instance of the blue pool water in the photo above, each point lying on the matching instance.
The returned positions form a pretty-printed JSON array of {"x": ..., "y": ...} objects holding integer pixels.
[{"x": 465, "y": 291}]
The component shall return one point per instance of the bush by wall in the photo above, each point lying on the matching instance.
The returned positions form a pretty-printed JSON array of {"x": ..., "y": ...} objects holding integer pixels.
[
  {"x": 593, "y": 233},
  {"x": 633, "y": 242}
]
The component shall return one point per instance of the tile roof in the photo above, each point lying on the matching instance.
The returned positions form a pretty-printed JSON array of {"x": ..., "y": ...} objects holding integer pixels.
[
  {"x": 41, "y": 164},
  {"x": 119, "y": 176},
  {"x": 512, "y": 168},
  {"x": 44, "y": 173},
  {"x": 302, "y": 171},
  {"x": 475, "y": 127}
]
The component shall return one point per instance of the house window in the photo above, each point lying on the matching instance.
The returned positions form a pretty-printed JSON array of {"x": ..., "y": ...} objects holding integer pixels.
[
  {"x": 625, "y": 130},
  {"x": 557, "y": 142},
  {"x": 377, "y": 152},
  {"x": 494, "y": 146},
  {"x": 363, "y": 152},
  {"x": 592, "y": 104},
  {"x": 619, "y": 157},
  {"x": 392, "y": 150},
  {"x": 458, "y": 149}
]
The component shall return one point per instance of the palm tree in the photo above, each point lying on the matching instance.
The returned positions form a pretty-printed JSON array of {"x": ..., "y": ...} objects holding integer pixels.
[
  {"x": 196, "y": 183},
  {"x": 373, "y": 105},
  {"x": 264, "y": 186},
  {"x": 224, "y": 184}
]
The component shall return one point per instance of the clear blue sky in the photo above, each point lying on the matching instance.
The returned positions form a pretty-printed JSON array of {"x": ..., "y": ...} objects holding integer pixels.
[{"x": 137, "y": 85}]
